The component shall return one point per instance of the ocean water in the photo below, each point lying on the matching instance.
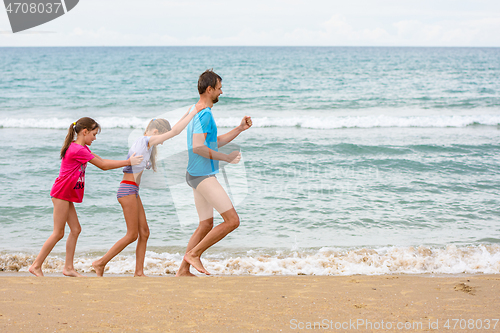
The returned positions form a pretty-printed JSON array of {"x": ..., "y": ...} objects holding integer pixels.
[{"x": 360, "y": 160}]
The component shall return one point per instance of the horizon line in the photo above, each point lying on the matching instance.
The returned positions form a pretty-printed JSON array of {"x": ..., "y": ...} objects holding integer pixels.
[{"x": 325, "y": 46}]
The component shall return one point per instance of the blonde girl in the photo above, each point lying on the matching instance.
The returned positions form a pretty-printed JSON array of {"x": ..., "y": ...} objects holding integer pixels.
[{"x": 157, "y": 131}]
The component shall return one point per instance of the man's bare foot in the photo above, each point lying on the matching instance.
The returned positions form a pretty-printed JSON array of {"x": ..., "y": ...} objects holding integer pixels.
[
  {"x": 196, "y": 263},
  {"x": 184, "y": 273},
  {"x": 99, "y": 270},
  {"x": 72, "y": 273},
  {"x": 140, "y": 275},
  {"x": 35, "y": 271}
]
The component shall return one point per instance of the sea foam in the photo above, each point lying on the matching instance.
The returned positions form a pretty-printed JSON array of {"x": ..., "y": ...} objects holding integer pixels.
[
  {"x": 478, "y": 259},
  {"x": 369, "y": 121},
  {"x": 329, "y": 122}
]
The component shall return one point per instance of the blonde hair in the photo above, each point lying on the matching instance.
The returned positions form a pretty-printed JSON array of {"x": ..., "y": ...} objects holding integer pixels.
[{"x": 163, "y": 126}]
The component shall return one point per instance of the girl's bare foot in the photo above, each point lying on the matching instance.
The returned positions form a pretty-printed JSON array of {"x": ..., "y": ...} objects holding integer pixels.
[
  {"x": 72, "y": 273},
  {"x": 99, "y": 270},
  {"x": 140, "y": 275},
  {"x": 35, "y": 271},
  {"x": 196, "y": 263}
]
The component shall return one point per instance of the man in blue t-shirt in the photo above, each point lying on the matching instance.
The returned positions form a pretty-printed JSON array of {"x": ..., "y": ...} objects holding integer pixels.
[{"x": 203, "y": 165}]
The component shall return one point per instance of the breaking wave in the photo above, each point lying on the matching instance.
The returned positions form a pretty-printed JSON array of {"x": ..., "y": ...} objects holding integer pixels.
[
  {"x": 480, "y": 259},
  {"x": 330, "y": 122}
]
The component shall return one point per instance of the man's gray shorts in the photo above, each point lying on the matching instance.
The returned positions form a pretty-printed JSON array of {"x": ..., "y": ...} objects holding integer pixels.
[{"x": 194, "y": 181}]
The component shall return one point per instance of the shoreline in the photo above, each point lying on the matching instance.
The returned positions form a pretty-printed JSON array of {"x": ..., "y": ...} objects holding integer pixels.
[
  {"x": 4, "y": 274},
  {"x": 452, "y": 259},
  {"x": 246, "y": 303}
]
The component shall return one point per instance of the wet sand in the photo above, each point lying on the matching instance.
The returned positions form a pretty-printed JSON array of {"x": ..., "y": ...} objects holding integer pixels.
[{"x": 250, "y": 304}]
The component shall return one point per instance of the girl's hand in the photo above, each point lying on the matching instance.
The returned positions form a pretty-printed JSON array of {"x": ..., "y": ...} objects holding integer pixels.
[
  {"x": 134, "y": 160},
  {"x": 234, "y": 157},
  {"x": 200, "y": 106}
]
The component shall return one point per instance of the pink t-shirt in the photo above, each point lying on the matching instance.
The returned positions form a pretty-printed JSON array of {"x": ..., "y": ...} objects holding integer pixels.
[{"x": 70, "y": 184}]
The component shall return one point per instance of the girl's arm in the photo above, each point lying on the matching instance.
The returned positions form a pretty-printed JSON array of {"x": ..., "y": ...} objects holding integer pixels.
[
  {"x": 181, "y": 124},
  {"x": 114, "y": 164}
]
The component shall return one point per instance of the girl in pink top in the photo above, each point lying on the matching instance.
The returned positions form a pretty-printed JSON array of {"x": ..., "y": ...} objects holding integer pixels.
[{"x": 69, "y": 186}]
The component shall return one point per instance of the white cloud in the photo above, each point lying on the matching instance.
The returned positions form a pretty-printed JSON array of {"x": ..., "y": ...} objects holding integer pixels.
[
  {"x": 269, "y": 22},
  {"x": 338, "y": 31},
  {"x": 450, "y": 33}
]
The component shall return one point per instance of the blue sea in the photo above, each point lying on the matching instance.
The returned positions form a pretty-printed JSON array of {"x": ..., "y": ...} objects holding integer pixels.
[{"x": 361, "y": 160}]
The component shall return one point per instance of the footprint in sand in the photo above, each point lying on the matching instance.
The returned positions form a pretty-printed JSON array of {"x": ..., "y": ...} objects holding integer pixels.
[{"x": 465, "y": 288}]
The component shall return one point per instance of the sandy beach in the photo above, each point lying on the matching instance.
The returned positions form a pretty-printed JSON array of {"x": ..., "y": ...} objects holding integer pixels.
[{"x": 250, "y": 304}]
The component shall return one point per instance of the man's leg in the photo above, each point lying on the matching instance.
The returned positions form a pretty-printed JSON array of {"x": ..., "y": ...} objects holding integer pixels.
[
  {"x": 215, "y": 195},
  {"x": 205, "y": 213}
]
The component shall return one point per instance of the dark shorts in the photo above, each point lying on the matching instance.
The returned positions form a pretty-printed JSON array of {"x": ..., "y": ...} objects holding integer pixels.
[{"x": 194, "y": 181}]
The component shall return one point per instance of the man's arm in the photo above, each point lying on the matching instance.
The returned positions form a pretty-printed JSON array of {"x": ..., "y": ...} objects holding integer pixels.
[
  {"x": 224, "y": 139},
  {"x": 202, "y": 150}
]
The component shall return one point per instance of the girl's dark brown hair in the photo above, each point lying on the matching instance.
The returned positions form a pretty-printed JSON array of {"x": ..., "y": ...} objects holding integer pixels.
[
  {"x": 163, "y": 126},
  {"x": 75, "y": 128}
]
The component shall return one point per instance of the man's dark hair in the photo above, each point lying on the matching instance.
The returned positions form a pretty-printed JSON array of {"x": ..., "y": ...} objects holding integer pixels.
[{"x": 208, "y": 79}]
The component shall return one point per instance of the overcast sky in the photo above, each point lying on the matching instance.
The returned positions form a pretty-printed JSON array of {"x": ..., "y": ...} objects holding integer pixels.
[{"x": 267, "y": 22}]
